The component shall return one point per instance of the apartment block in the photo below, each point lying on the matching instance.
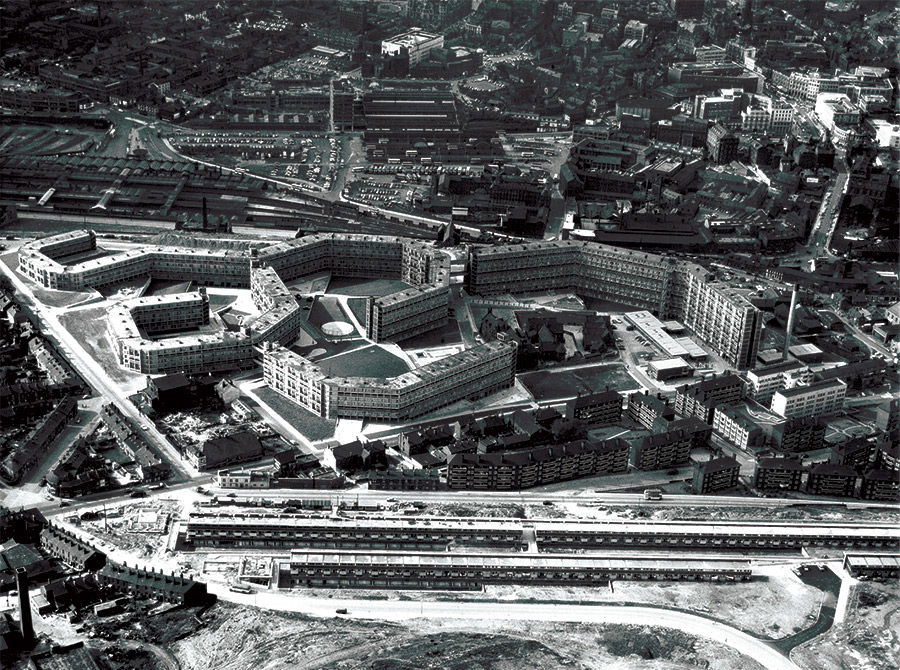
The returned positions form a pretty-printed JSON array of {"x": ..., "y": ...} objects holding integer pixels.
[
  {"x": 535, "y": 467},
  {"x": 472, "y": 373},
  {"x": 662, "y": 450},
  {"x": 818, "y": 399},
  {"x": 764, "y": 381},
  {"x": 826, "y": 479},
  {"x": 597, "y": 409},
  {"x": 785, "y": 474},
  {"x": 717, "y": 474},
  {"x": 700, "y": 400},
  {"x": 880, "y": 485},
  {"x": 719, "y": 314},
  {"x": 736, "y": 423},
  {"x": 646, "y": 409},
  {"x": 407, "y": 313}
]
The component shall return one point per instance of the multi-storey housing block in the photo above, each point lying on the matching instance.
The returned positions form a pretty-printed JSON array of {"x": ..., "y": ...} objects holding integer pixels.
[
  {"x": 470, "y": 374},
  {"x": 816, "y": 399}
]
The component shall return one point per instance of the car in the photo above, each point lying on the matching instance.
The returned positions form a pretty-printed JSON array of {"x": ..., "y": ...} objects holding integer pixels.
[
  {"x": 548, "y": 502},
  {"x": 392, "y": 500},
  {"x": 63, "y": 503},
  {"x": 341, "y": 610},
  {"x": 138, "y": 493},
  {"x": 144, "y": 426}
]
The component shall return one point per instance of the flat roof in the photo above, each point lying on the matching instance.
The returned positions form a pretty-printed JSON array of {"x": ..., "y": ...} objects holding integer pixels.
[
  {"x": 512, "y": 561},
  {"x": 795, "y": 528}
]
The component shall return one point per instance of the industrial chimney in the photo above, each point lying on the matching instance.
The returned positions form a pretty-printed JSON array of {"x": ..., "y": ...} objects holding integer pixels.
[
  {"x": 790, "y": 323},
  {"x": 24, "y": 608}
]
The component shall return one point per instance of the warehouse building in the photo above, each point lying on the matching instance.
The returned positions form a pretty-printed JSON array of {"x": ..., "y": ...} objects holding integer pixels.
[{"x": 872, "y": 566}]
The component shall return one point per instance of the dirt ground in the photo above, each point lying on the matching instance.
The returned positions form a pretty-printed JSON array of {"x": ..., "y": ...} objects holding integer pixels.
[
  {"x": 238, "y": 638},
  {"x": 868, "y": 639}
]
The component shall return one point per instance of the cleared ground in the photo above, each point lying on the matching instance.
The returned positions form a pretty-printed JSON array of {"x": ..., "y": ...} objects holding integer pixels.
[
  {"x": 868, "y": 639},
  {"x": 240, "y": 638},
  {"x": 548, "y": 385}
]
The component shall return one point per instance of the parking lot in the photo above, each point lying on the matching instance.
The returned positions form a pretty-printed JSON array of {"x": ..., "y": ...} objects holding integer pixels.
[
  {"x": 402, "y": 185},
  {"x": 289, "y": 155}
]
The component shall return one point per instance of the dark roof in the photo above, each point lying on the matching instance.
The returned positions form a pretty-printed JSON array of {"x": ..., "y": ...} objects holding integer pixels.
[
  {"x": 171, "y": 382},
  {"x": 829, "y": 469},
  {"x": 780, "y": 464},
  {"x": 719, "y": 464},
  {"x": 243, "y": 444},
  {"x": 882, "y": 476}
]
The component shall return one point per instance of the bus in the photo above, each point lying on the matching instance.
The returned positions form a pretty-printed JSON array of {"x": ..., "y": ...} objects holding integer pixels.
[{"x": 652, "y": 494}]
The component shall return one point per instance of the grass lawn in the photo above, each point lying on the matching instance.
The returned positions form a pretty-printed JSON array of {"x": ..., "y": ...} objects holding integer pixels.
[
  {"x": 359, "y": 307},
  {"x": 88, "y": 326},
  {"x": 615, "y": 376},
  {"x": 331, "y": 348},
  {"x": 446, "y": 334},
  {"x": 312, "y": 427},
  {"x": 168, "y": 287},
  {"x": 324, "y": 310},
  {"x": 360, "y": 286},
  {"x": 371, "y": 361},
  {"x": 545, "y": 385}
]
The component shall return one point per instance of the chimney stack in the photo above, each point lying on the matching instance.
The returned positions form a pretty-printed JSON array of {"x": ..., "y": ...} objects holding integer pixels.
[
  {"x": 24, "y": 608},
  {"x": 790, "y": 323},
  {"x": 205, "y": 216}
]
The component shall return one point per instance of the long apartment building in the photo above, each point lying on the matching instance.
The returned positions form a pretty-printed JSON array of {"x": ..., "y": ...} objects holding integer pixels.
[
  {"x": 407, "y": 313},
  {"x": 539, "y": 466},
  {"x": 133, "y": 324},
  {"x": 260, "y": 530},
  {"x": 717, "y": 313},
  {"x": 471, "y": 571},
  {"x": 470, "y": 374}
]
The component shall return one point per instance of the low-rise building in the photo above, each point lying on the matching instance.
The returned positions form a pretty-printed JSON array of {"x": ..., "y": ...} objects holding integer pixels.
[
  {"x": 217, "y": 452},
  {"x": 151, "y": 584},
  {"x": 71, "y": 550},
  {"x": 869, "y": 566}
]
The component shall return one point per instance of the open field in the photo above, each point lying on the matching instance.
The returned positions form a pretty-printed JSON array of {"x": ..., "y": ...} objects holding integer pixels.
[{"x": 442, "y": 336}]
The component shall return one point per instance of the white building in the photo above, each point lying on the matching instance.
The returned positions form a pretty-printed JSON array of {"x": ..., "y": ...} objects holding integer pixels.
[
  {"x": 836, "y": 110},
  {"x": 817, "y": 399},
  {"x": 416, "y": 42}
]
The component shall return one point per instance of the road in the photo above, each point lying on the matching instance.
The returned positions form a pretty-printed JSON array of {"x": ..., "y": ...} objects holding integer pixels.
[
  {"x": 395, "y": 610},
  {"x": 366, "y": 497}
]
